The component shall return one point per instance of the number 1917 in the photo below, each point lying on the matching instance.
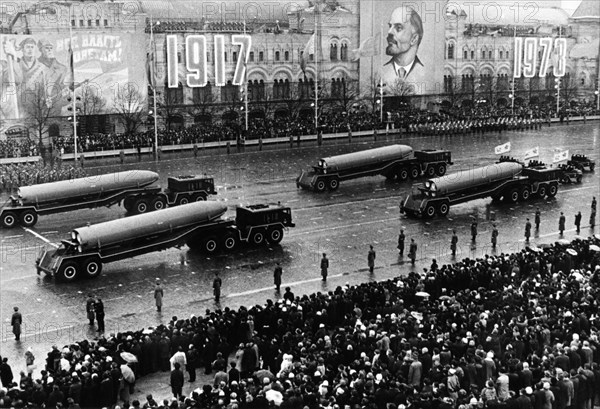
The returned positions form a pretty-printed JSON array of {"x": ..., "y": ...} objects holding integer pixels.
[{"x": 529, "y": 50}]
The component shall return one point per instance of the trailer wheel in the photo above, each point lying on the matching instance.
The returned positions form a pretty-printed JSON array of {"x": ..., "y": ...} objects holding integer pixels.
[
  {"x": 512, "y": 196},
  {"x": 542, "y": 191},
  {"x": 443, "y": 209},
  {"x": 525, "y": 194},
  {"x": 9, "y": 220},
  {"x": 210, "y": 245},
  {"x": 229, "y": 242},
  {"x": 403, "y": 174},
  {"x": 441, "y": 169},
  {"x": 258, "y": 238},
  {"x": 275, "y": 235},
  {"x": 92, "y": 267},
  {"x": 429, "y": 211},
  {"x": 320, "y": 185},
  {"x": 128, "y": 203},
  {"x": 334, "y": 184},
  {"x": 29, "y": 218},
  {"x": 414, "y": 172},
  {"x": 430, "y": 172},
  {"x": 552, "y": 190},
  {"x": 158, "y": 203},
  {"x": 579, "y": 178},
  {"x": 141, "y": 206},
  {"x": 183, "y": 200},
  {"x": 68, "y": 271}
]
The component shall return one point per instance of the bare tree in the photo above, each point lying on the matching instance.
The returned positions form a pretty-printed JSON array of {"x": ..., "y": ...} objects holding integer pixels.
[
  {"x": 203, "y": 102},
  {"x": 371, "y": 94},
  {"x": 38, "y": 108},
  {"x": 91, "y": 101},
  {"x": 130, "y": 106},
  {"x": 346, "y": 95},
  {"x": 568, "y": 89}
]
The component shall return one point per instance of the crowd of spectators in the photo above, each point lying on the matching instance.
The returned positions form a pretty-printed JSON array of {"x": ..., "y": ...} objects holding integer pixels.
[
  {"x": 409, "y": 119},
  {"x": 507, "y": 331},
  {"x": 14, "y": 175}
]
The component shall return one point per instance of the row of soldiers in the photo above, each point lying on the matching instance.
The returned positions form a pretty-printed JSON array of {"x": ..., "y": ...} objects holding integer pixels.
[
  {"x": 465, "y": 126},
  {"x": 14, "y": 175}
]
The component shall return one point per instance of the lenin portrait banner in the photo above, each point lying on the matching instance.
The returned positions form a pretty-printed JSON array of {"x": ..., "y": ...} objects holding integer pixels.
[
  {"x": 39, "y": 68},
  {"x": 402, "y": 46}
]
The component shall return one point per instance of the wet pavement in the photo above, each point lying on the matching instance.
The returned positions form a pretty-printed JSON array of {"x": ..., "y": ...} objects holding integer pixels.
[{"x": 341, "y": 224}]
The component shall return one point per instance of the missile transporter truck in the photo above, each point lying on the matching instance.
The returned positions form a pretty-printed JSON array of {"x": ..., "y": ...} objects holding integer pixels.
[
  {"x": 199, "y": 225},
  {"x": 507, "y": 180},
  {"x": 133, "y": 188},
  {"x": 582, "y": 162},
  {"x": 395, "y": 162}
]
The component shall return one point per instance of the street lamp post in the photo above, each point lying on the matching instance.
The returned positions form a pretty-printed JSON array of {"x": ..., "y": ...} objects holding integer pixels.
[
  {"x": 154, "y": 87},
  {"x": 512, "y": 103},
  {"x": 597, "y": 93},
  {"x": 557, "y": 86}
]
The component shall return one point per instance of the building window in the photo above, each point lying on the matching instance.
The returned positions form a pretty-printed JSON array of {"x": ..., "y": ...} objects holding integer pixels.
[
  {"x": 174, "y": 95},
  {"x": 235, "y": 56},
  {"x": 483, "y": 54},
  {"x": 105, "y": 23},
  {"x": 490, "y": 54},
  {"x": 251, "y": 56},
  {"x": 202, "y": 95},
  {"x": 465, "y": 54},
  {"x": 225, "y": 55},
  {"x": 276, "y": 55},
  {"x": 472, "y": 54},
  {"x": 80, "y": 23},
  {"x": 333, "y": 55},
  {"x": 89, "y": 23},
  {"x": 97, "y": 23},
  {"x": 448, "y": 84},
  {"x": 261, "y": 56},
  {"x": 72, "y": 23},
  {"x": 178, "y": 57},
  {"x": 286, "y": 55},
  {"x": 501, "y": 54},
  {"x": 450, "y": 51},
  {"x": 344, "y": 52}
]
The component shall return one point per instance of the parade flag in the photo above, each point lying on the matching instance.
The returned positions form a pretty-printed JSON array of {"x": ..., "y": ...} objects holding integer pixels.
[
  {"x": 500, "y": 149},
  {"x": 71, "y": 65},
  {"x": 532, "y": 153},
  {"x": 561, "y": 156},
  {"x": 150, "y": 61},
  {"x": 368, "y": 48},
  {"x": 309, "y": 49}
]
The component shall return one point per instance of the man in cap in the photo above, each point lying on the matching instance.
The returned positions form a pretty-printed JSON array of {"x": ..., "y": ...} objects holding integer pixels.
[
  {"x": 15, "y": 322},
  {"x": 57, "y": 75}
]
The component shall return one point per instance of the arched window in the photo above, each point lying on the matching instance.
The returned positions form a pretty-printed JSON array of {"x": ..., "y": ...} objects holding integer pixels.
[
  {"x": 490, "y": 55},
  {"x": 450, "y": 51},
  {"x": 286, "y": 56},
  {"x": 174, "y": 95},
  {"x": 261, "y": 56},
  {"x": 235, "y": 57},
  {"x": 277, "y": 55},
  {"x": 202, "y": 95},
  {"x": 465, "y": 54},
  {"x": 448, "y": 83},
  {"x": 501, "y": 54},
  {"x": 344, "y": 52},
  {"x": 251, "y": 56},
  {"x": 333, "y": 55},
  {"x": 472, "y": 54},
  {"x": 483, "y": 54}
]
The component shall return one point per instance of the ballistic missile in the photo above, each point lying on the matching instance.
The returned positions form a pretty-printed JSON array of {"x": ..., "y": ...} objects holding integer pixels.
[
  {"x": 122, "y": 231},
  {"x": 366, "y": 158},
  {"x": 86, "y": 186}
]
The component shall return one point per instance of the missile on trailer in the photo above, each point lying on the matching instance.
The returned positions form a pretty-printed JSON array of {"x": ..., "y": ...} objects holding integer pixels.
[
  {"x": 82, "y": 187},
  {"x": 468, "y": 179},
  {"x": 124, "y": 230},
  {"x": 366, "y": 158}
]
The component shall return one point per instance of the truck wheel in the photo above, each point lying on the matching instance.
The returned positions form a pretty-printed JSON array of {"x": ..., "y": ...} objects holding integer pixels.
[
  {"x": 320, "y": 186},
  {"x": 579, "y": 179},
  {"x": 229, "y": 242},
  {"x": 552, "y": 190},
  {"x": 158, "y": 203},
  {"x": 198, "y": 197},
  {"x": 430, "y": 172},
  {"x": 210, "y": 245},
  {"x": 542, "y": 191},
  {"x": 429, "y": 211},
  {"x": 414, "y": 172},
  {"x": 183, "y": 200},
  {"x": 29, "y": 218},
  {"x": 525, "y": 194},
  {"x": 592, "y": 166},
  {"x": 140, "y": 207},
  {"x": 258, "y": 238},
  {"x": 9, "y": 220},
  {"x": 275, "y": 235},
  {"x": 68, "y": 271},
  {"x": 441, "y": 169},
  {"x": 403, "y": 174},
  {"x": 443, "y": 209},
  {"x": 334, "y": 184},
  {"x": 92, "y": 267}
]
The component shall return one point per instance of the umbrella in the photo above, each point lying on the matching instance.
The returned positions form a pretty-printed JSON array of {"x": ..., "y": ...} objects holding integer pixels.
[
  {"x": 445, "y": 298},
  {"x": 422, "y": 294},
  {"x": 128, "y": 357},
  {"x": 593, "y": 247},
  {"x": 535, "y": 249},
  {"x": 572, "y": 252},
  {"x": 274, "y": 396},
  {"x": 564, "y": 241},
  {"x": 417, "y": 315}
]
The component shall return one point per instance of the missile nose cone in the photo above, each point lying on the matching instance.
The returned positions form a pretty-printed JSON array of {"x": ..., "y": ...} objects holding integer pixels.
[
  {"x": 140, "y": 176},
  {"x": 210, "y": 209}
]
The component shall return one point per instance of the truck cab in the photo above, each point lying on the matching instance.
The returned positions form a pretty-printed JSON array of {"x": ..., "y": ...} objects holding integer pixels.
[
  {"x": 582, "y": 162},
  {"x": 191, "y": 183}
]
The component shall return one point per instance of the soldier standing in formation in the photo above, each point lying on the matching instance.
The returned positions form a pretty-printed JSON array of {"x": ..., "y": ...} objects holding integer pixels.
[
  {"x": 494, "y": 236},
  {"x": 371, "y": 258},
  {"x": 277, "y": 273},
  {"x": 217, "y": 287},
  {"x": 527, "y": 230},
  {"x": 473, "y": 231},
  {"x": 561, "y": 223},
  {"x": 324, "y": 266},
  {"x": 401, "y": 238},
  {"x": 538, "y": 218},
  {"x": 453, "y": 243},
  {"x": 90, "y": 309},
  {"x": 412, "y": 251},
  {"x": 578, "y": 221}
]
